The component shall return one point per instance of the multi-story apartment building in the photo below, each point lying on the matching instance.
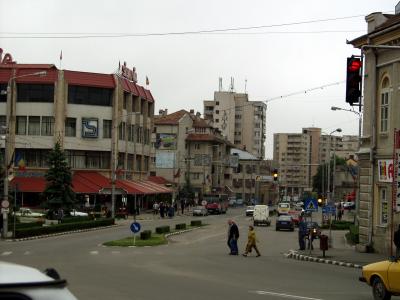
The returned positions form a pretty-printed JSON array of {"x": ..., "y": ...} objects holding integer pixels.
[
  {"x": 379, "y": 207},
  {"x": 241, "y": 121},
  {"x": 190, "y": 150},
  {"x": 102, "y": 121},
  {"x": 298, "y": 156}
]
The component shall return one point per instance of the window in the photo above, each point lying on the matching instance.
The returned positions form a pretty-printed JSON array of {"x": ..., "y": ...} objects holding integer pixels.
[
  {"x": 21, "y": 125},
  {"x": 107, "y": 126},
  {"x": 121, "y": 131},
  {"x": 384, "y": 105},
  {"x": 216, "y": 120},
  {"x": 3, "y": 97},
  {"x": 3, "y": 123},
  {"x": 34, "y": 125},
  {"x": 89, "y": 95},
  {"x": 384, "y": 206},
  {"x": 216, "y": 102},
  {"x": 217, "y": 112},
  {"x": 70, "y": 127},
  {"x": 195, "y": 175},
  {"x": 35, "y": 93},
  {"x": 197, "y": 146},
  {"x": 48, "y": 126}
]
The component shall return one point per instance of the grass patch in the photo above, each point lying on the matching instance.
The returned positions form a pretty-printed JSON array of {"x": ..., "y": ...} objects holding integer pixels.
[{"x": 154, "y": 240}]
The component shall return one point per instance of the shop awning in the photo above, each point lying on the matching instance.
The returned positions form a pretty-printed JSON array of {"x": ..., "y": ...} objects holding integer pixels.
[{"x": 29, "y": 184}]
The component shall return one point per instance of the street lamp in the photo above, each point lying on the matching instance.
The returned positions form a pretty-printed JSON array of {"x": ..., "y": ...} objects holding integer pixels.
[
  {"x": 5, "y": 202},
  {"x": 359, "y": 114}
]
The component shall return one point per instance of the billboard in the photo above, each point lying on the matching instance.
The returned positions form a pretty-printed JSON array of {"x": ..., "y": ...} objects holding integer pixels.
[
  {"x": 166, "y": 141},
  {"x": 165, "y": 160},
  {"x": 385, "y": 170}
]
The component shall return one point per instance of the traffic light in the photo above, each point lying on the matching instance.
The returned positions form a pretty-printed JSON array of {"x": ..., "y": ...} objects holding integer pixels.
[
  {"x": 353, "y": 80},
  {"x": 275, "y": 174}
]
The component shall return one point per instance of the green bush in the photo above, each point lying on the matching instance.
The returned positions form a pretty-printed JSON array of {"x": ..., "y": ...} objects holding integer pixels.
[
  {"x": 339, "y": 225},
  {"x": 162, "y": 229},
  {"x": 75, "y": 219},
  {"x": 36, "y": 231},
  {"x": 25, "y": 225},
  {"x": 145, "y": 235},
  {"x": 180, "y": 226},
  {"x": 354, "y": 234},
  {"x": 195, "y": 223}
]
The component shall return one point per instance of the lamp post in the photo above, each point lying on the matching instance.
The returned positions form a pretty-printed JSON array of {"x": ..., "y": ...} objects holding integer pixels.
[
  {"x": 6, "y": 148},
  {"x": 333, "y": 180},
  {"x": 359, "y": 114}
]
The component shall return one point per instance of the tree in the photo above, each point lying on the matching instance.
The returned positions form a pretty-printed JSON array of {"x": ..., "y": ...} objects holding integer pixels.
[
  {"x": 58, "y": 192},
  {"x": 320, "y": 179}
]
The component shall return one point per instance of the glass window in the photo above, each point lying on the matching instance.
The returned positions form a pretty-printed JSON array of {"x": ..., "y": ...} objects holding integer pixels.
[
  {"x": 384, "y": 111},
  {"x": 34, "y": 125},
  {"x": 121, "y": 131},
  {"x": 3, "y": 92},
  {"x": 70, "y": 127},
  {"x": 21, "y": 125},
  {"x": 89, "y": 95},
  {"x": 35, "y": 93},
  {"x": 384, "y": 206},
  {"x": 3, "y": 123},
  {"x": 48, "y": 126},
  {"x": 107, "y": 127}
]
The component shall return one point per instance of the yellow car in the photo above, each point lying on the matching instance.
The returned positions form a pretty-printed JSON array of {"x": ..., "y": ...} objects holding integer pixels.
[{"x": 384, "y": 277}]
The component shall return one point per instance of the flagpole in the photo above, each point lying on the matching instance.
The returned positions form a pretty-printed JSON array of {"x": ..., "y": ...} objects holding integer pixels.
[{"x": 61, "y": 60}]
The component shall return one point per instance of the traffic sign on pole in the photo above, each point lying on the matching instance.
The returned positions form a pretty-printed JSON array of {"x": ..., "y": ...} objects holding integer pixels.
[{"x": 311, "y": 205}]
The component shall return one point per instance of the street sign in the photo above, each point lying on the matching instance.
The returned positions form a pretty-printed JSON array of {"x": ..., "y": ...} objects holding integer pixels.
[
  {"x": 5, "y": 204},
  {"x": 329, "y": 210},
  {"x": 311, "y": 205},
  {"x": 135, "y": 227}
]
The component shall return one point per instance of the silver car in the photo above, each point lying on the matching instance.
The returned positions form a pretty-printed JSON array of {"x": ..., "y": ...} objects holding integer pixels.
[{"x": 200, "y": 211}]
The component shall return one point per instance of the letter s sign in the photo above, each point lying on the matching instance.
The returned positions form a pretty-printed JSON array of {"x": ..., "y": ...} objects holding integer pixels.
[{"x": 90, "y": 128}]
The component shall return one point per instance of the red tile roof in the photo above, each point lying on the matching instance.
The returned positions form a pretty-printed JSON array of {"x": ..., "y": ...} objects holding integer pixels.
[
  {"x": 89, "y": 79},
  {"x": 137, "y": 90},
  {"x": 171, "y": 119},
  {"x": 50, "y": 77}
]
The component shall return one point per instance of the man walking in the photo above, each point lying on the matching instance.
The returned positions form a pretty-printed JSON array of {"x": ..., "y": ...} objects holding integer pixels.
[
  {"x": 396, "y": 241},
  {"x": 302, "y": 233},
  {"x": 233, "y": 236}
]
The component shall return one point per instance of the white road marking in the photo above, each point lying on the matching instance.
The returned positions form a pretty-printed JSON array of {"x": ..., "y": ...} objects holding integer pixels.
[
  {"x": 283, "y": 295},
  {"x": 115, "y": 252},
  {"x": 27, "y": 252},
  {"x": 6, "y": 253},
  {"x": 94, "y": 252}
]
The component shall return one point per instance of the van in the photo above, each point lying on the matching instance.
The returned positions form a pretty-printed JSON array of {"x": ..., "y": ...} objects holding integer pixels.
[{"x": 261, "y": 215}]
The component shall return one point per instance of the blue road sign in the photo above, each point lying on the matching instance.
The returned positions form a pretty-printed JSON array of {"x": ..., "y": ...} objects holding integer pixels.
[
  {"x": 329, "y": 210},
  {"x": 135, "y": 227},
  {"x": 311, "y": 205}
]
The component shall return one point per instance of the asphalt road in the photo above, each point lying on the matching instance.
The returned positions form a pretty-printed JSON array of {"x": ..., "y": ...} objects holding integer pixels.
[{"x": 194, "y": 265}]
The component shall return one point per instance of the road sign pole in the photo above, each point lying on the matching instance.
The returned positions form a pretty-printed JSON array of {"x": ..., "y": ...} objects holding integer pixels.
[{"x": 330, "y": 243}]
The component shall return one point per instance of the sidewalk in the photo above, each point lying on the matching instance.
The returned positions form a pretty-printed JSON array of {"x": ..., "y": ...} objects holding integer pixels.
[{"x": 341, "y": 252}]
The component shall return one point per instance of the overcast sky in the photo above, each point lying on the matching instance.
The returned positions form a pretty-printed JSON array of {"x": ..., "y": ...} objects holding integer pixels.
[{"x": 184, "y": 69}]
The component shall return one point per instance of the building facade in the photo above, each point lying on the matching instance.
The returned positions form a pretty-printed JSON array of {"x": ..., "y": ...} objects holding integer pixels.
[
  {"x": 378, "y": 208},
  {"x": 189, "y": 151},
  {"x": 241, "y": 121},
  {"x": 102, "y": 121},
  {"x": 298, "y": 155}
]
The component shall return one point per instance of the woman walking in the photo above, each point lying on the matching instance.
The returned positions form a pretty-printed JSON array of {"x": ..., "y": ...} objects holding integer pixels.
[{"x": 251, "y": 242}]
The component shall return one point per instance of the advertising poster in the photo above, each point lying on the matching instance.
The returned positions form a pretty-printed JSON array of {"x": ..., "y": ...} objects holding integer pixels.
[{"x": 166, "y": 141}]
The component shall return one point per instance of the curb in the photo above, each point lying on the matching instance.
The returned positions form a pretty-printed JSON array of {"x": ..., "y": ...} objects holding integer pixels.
[
  {"x": 295, "y": 255},
  {"x": 180, "y": 232},
  {"x": 60, "y": 233}
]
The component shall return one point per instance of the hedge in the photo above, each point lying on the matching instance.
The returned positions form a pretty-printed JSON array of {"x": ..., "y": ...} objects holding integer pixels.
[
  {"x": 339, "y": 225},
  {"x": 354, "y": 234},
  {"x": 25, "y": 225},
  {"x": 162, "y": 229},
  {"x": 145, "y": 235},
  {"x": 75, "y": 219},
  {"x": 195, "y": 223},
  {"x": 36, "y": 231},
  {"x": 180, "y": 226}
]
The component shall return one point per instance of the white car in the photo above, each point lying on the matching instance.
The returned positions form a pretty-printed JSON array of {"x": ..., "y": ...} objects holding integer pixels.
[
  {"x": 249, "y": 211},
  {"x": 26, "y": 212},
  {"x": 21, "y": 282},
  {"x": 200, "y": 211},
  {"x": 76, "y": 213}
]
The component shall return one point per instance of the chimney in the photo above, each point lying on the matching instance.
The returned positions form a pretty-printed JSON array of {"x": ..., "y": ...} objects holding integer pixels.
[
  {"x": 161, "y": 112},
  {"x": 165, "y": 112},
  {"x": 198, "y": 114},
  {"x": 192, "y": 111},
  {"x": 397, "y": 8},
  {"x": 374, "y": 20}
]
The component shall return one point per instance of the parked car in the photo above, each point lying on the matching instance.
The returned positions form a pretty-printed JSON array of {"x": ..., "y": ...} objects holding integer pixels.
[
  {"x": 232, "y": 202},
  {"x": 249, "y": 211},
  {"x": 24, "y": 282},
  {"x": 384, "y": 277},
  {"x": 27, "y": 212},
  {"x": 239, "y": 202},
  {"x": 349, "y": 205},
  {"x": 284, "y": 222},
  {"x": 295, "y": 216},
  {"x": 200, "y": 211},
  {"x": 261, "y": 215},
  {"x": 76, "y": 213}
]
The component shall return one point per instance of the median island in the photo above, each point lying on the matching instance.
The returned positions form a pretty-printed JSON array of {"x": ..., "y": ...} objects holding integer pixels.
[{"x": 159, "y": 237}]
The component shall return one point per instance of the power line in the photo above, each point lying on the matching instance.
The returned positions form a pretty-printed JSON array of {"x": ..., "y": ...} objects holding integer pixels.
[{"x": 28, "y": 35}]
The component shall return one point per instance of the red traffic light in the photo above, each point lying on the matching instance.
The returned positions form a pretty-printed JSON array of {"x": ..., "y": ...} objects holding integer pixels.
[{"x": 354, "y": 65}]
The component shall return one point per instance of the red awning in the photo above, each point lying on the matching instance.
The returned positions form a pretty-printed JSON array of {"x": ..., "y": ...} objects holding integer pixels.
[{"x": 29, "y": 184}]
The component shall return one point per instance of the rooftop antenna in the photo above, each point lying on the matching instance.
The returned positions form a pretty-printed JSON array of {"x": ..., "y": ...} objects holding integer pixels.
[
  {"x": 245, "y": 86},
  {"x": 220, "y": 84},
  {"x": 232, "y": 87}
]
